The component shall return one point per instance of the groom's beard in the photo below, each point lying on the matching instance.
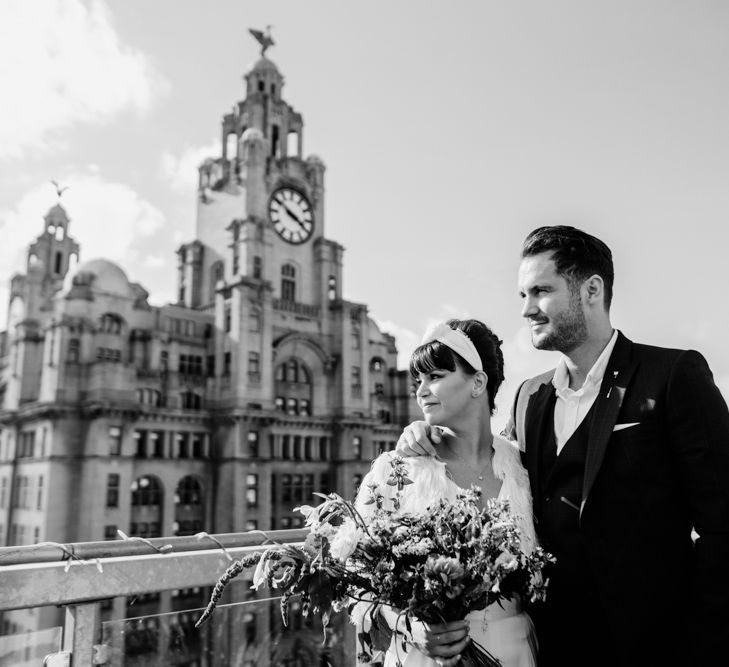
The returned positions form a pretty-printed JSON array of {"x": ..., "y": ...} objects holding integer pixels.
[{"x": 568, "y": 328}]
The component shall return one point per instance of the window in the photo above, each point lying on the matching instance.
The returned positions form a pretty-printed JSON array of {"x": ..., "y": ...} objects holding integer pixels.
[
  {"x": 254, "y": 360},
  {"x": 227, "y": 359},
  {"x": 110, "y": 532},
  {"x": 164, "y": 360},
  {"x": 257, "y": 269},
  {"x": 108, "y": 355},
  {"x": 254, "y": 323},
  {"x": 112, "y": 490},
  {"x": 288, "y": 282},
  {"x": 292, "y": 406},
  {"x": 140, "y": 440},
  {"x": 305, "y": 407},
  {"x": 292, "y": 371},
  {"x": 155, "y": 442},
  {"x": 189, "y": 491},
  {"x": 379, "y": 389},
  {"x": 110, "y": 323},
  {"x": 115, "y": 440},
  {"x": 332, "y": 288},
  {"x": 356, "y": 377},
  {"x": 198, "y": 446},
  {"x": 286, "y": 453},
  {"x": 227, "y": 317},
  {"x": 74, "y": 351},
  {"x": 146, "y": 491},
  {"x": 39, "y": 497},
  {"x": 190, "y": 364},
  {"x": 280, "y": 403},
  {"x": 357, "y": 447},
  {"x": 376, "y": 365},
  {"x": 356, "y": 342},
  {"x": 216, "y": 275},
  {"x": 324, "y": 449},
  {"x": 26, "y": 444},
  {"x": 190, "y": 400},
  {"x": 3, "y": 491},
  {"x": 252, "y": 490},
  {"x": 252, "y": 444},
  {"x": 181, "y": 448},
  {"x": 210, "y": 365}
]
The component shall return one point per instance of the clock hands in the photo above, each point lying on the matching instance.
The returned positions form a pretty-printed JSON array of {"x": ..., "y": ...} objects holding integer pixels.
[{"x": 293, "y": 216}]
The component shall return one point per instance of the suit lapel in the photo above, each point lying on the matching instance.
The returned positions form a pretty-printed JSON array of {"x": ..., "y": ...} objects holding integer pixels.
[
  {"x": 615, "y": 382},
  {"x": 537, "y": 409}
]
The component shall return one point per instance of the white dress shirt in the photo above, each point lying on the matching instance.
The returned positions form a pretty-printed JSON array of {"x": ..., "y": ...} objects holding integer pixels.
[{"x": 572, "y": 406}]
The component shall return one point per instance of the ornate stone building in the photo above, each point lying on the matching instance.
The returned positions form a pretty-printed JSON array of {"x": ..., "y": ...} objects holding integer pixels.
[{"x": 220, "y": 412}]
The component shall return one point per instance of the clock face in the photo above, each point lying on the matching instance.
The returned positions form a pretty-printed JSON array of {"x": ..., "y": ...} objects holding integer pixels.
[{"x": 291, "y": 215}]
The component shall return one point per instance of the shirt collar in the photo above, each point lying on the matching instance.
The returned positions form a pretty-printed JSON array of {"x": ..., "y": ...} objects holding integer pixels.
[{"x": 561, "y": 379}]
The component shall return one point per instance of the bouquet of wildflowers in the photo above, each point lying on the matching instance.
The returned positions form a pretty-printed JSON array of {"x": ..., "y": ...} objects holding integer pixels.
[{"x": 436, "y": 566}]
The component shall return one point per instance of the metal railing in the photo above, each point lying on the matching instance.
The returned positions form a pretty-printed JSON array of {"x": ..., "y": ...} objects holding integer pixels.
[{"x": 78, "y": 577}]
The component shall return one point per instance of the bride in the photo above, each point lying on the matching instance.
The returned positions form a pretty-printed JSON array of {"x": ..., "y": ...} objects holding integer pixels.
[{"x": 458, "y": 369}]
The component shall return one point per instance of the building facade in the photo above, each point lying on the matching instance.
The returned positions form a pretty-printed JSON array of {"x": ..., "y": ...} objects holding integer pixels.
[{"x": 220, "y": 412}]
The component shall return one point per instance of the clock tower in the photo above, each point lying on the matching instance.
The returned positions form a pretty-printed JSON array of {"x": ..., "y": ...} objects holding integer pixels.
[{"x": 303, "y": 376}]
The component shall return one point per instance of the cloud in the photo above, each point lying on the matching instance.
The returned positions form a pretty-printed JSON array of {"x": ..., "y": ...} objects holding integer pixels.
[
  {"x": 180, "y": 170},
  {"x": 108, "y": 220},
  {"x": 155, "y": 262},
  {"x": 63, "y": 63}
]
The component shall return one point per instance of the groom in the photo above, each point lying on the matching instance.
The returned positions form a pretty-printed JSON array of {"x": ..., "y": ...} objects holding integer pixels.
[{"x": 627, "y": 449}]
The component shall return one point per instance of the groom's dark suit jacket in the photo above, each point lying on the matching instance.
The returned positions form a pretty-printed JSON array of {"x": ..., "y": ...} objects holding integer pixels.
[{"x": 645, "y": 589}]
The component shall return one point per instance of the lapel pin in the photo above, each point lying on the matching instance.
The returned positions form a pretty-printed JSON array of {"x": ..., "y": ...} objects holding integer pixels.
[{"x": 615, "y": 377}]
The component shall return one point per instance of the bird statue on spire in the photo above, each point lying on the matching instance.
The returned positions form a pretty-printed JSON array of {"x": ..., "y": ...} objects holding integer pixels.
[
  {"x": 59, "y": 189},
  {"x": 263, "y": 38}
]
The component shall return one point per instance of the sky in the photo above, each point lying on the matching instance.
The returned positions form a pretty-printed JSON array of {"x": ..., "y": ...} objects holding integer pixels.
[{"x": 449, "y": 131}]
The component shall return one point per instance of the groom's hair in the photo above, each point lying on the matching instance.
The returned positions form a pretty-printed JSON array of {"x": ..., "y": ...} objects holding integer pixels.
[
  {"x": 436, "y": 355},
  {"x": 577, "y": 255}
]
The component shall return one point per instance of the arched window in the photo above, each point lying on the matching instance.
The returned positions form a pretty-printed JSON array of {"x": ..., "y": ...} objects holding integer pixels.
[
  {"x": 332, "y": 288},
  {"x": 74, "y": 351},
  {"x": 288, "y": 282},
  {"x": 189, "y": 509},
  {"x": 146, "y": 491},
  {"x": 190, "y": 400},
  {"x": 110, "y": 323}
]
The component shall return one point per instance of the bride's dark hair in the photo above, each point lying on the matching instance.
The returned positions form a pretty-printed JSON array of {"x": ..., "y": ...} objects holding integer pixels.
[{"x": 431, "y": 356}]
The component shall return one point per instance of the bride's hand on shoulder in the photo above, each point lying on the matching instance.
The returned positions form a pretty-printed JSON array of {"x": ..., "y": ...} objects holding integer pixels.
[
  {"x": 418, "y": 439},
  {"x": 443, "y": 642}
]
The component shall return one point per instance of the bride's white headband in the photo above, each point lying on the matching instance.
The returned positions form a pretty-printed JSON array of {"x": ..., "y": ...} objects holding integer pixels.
[{"x": 456, "y": 340}]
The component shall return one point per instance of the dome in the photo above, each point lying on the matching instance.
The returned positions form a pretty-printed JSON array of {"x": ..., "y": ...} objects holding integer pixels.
[
  {"x": 56, "y": 214},
  {"x": 252, "y": 134},
  {"x": 100, "y": 276},
  {"x": 263, "y": 66}
]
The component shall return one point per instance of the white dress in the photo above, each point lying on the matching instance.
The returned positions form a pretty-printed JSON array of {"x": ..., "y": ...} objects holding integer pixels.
[{"x": 505, "y": 630}]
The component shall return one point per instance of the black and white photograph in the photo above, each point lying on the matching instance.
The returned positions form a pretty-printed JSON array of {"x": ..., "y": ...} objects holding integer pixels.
[{"x": 364, "y": 334}]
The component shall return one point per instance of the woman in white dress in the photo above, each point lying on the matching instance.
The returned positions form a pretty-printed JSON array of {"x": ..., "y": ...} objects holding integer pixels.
[{"x": 458, "y": 369}]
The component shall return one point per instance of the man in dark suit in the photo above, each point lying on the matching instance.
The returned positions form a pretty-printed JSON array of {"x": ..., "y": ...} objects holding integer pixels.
[{"x": 627, "y": 449}]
